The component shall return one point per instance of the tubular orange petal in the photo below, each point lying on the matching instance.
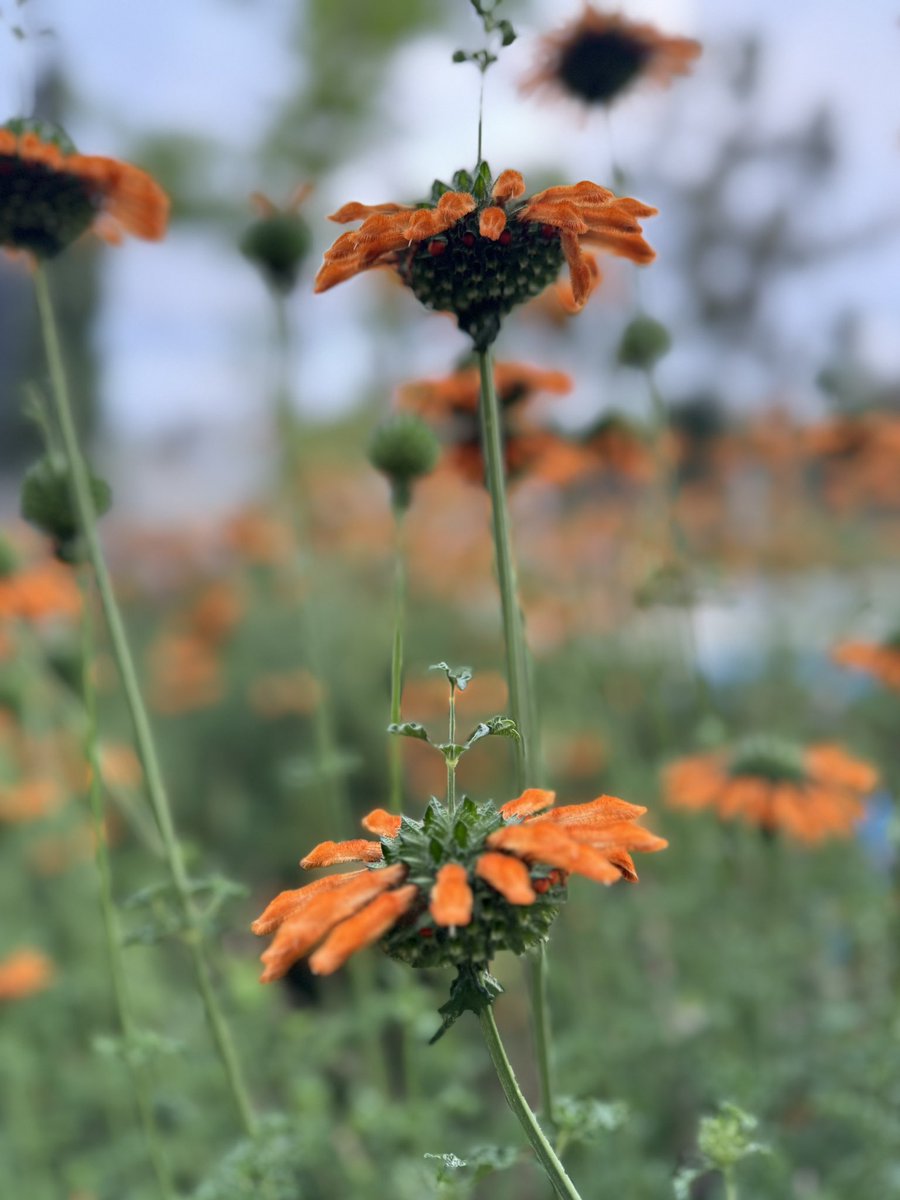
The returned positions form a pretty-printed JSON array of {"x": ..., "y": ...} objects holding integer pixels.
[
  {"x": 301, "y": 932},
  {"x": 605, "y": 810},
  {"x": 579, "y": 271},
  {"x": 543, "y": 842},
  {"x": 130, "y": 195},
  {"x": 624, "y": 835},
  {"x": 329, "y": 854},
  {"x": 623, "y": 860},
  {"x": 451, "y": 896},
  {"x": 428, "y": 222},
  {"x": 355, "y": 211},
  {"x": 491, "y": 223},
  {"x": 509, "y": 186},
  {"x": 287, "y": 903},
  {"x": 559, "y": 216},
  {"x": 262, "y": 205},
  {"x": 507, "y": 875},
  {"x": 532, "y": 800},
  {"x": 382, "y": 823},
  {"x": 362, "y": 929}
]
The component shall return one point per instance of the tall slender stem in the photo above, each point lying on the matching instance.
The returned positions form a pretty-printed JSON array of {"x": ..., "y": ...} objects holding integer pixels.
[
  {"x": 513, "y": 631},
  {"x": 452, "y": 761},
  {"x": 395, "y": 748},
  {"x": 146, "y": 746},
  {"x": 107, "y": 906},
  {"x": 556, "y": 1172},
  {"x": 731, "y": 1192},
  {"x": 521, "y": 701}
]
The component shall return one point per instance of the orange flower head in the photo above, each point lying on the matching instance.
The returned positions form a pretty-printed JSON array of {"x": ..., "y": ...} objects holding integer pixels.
[
  {"x": 24, "y": 972},
  {"x": 598, "y": 56},
  {"x": 880, "y": 659},
  {"x": 480, "y": 247},
  {"x": 50, "y": 194},
  {"x": 455, "y": 887},
  {"x": 809, "y": 793}
]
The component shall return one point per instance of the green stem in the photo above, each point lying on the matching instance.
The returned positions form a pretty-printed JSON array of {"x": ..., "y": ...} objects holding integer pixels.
[
  {"x": 453, "y": 761},
  {"x": 107, "y": 905},
  {"x": 513, "y": 631},
  {"x": 396, "y": 760},
  {"x": 731, "y": 1191},
  {"x": 556, "y": 1172},
  {"x": 521, "y": 702},
  {"x": 146, "y": 746}
]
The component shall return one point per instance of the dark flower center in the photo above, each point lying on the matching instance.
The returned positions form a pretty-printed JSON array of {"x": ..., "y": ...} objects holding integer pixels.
[
  {"x": 597, "y": 66},
  {"x": 770, "y": 758},
  {"x": 478, "y": 280},
  {"x": 42, "y": 210}
]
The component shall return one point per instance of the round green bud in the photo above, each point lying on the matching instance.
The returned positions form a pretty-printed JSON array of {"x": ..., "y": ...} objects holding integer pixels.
[
  {"x": 644, "y": 342},
  {"x": 278, "y": 244},
  {"x": 47, "y": 503},
  {"x": 404, "y": 448}
]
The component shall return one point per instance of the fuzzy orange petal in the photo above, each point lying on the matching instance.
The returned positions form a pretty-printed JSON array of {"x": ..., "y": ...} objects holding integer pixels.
[
  {"x": 329, "y": 854},
  {"x": 451, "y": 896},
  {"x": 428, "y": 222},
  {"x": 363, "y": 929},
  {"x": 287, "y": 903},
  {"x": 532, "y": 800},
  {"x": 301, "y": 932},
  {"x": 382, "y": 823},
  {"x": 509, "y": 186},
  {"x": 624, "y": 835},
  {"x": 579, "y": 268},
  {"x": 507, "y": 875},
  {"x": 491, "y": 223},
  {"x": 542, "y": 841},
  {"x": 130, "y": 195},
  {"x": 354, "y": 211},
  {"x": 604, "y": 811}
]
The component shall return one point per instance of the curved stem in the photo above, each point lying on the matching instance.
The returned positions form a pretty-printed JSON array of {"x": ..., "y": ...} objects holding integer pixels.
[
  {"x": 111, "y": 929},
  {"x": 146, "y": 746},
  {"x": 540, "y": 1012},
  {"x": 394, "y": 743},
  {"x": 556, "y": 1172}
]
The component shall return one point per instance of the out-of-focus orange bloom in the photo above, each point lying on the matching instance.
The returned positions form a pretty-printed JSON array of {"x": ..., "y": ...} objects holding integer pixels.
[
  {"x": 426, "y": 699},
  {"x": 41, "y": 591},
  {"x": 23, "y": 973},
  {"x": 881, "y": 659},
  {"x": 576, "y": 756},
  {"x": 185, "y": 674},
  {"x": 216, "y": 611},
  {"x": 51, "y": 195},
  {"x": 259, "y": 537},
  {"x": 597, "y": 56},
  {"x": 30, "y": 800},
  {"x": 810, "y": 793},
  {"x": 620, "y": 447},
  {"x": 515, "y": 382},
  {"x": 284, "y": 694}
]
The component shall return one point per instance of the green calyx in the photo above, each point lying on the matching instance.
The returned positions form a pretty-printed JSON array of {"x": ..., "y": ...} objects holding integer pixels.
[
  {"x": 278, "y": 244},
  {"x": 404, "y": 448},
  {"x": 46, "y": 503},
  {"x": 644, "y": 342},
  {"x": 443, "y": 837},
  {"x": 42, "y": 208},
  {"x": 769, "y": 757},
  {"x": 476, "y": 279}
]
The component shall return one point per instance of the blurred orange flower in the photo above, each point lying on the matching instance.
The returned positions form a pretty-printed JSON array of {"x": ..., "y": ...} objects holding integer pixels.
[
  {"x": 597, "y": 56},
  {"x": 23, "y": 973},
  {"x": 881, "y": 659},
  {"x": 810, "y": 793},
  {"x": 50, "y": 194}
]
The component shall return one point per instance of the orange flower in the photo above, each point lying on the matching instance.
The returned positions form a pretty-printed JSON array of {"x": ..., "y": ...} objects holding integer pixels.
[
  {"x": 881, "y": 659},
  {"x": 30, "y": 800},
  {"x": 598, "y": 56},
  {"x": 809, "y": 793},
  {"x": 483, "y": 249},
  {"x": 39, "y": 592},
  {"x": 24, "y": 972},
  {"x": 185, "y": 674},
  {"x": 49, "y": 194},
  {"x": 621, "y": 447},
  {"x": 286, "y": 693},
  {"x": 454, "y": 887},
  {"x": 460, "y": 393}
]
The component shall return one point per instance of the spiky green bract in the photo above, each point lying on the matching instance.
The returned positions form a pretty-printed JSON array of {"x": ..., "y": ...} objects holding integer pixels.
[
  {"x": 440, "y": 838},
  {"x": 404, "y": 448},
  {"x": 278, "y": 244},
  {"x": 46, "y": 502},
  {"x": 477, "y": 279}
]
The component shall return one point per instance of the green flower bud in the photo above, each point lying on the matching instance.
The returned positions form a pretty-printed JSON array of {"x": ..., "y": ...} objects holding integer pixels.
[
  {"x": 278, "y": 244},
  {"x": 643, "y": 343},
  {"x": 404, "y": 448},
  {"x": 47, "y": 503}
]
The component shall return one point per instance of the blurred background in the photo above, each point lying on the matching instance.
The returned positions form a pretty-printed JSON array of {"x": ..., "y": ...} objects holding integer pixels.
[{"x": 767, "y": 438}]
